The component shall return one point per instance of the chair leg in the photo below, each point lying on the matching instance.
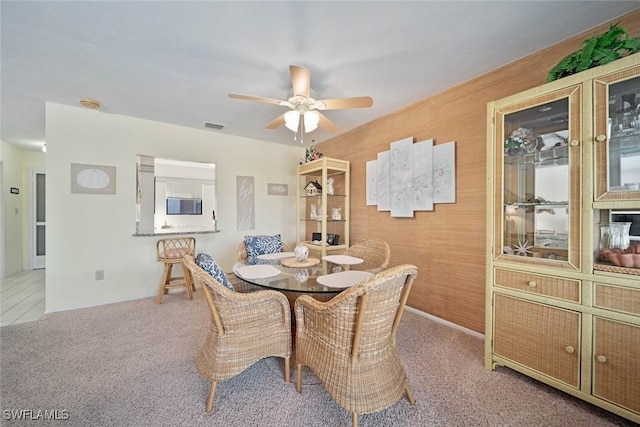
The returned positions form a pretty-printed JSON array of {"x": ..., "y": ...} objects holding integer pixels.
[
  {"x": 187, "y": 283},
  {"x": 287, "y": 369},
  {"x": 299, "y": 378},
  {"x": 354, "y": 419},
  {"x": 165, "y": 276},
  {"x": 212, "y": 394},
  {"x": 410, "y": 397}
]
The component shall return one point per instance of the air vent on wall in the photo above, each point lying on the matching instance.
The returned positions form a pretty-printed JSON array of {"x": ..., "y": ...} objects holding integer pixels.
[{"x": 210, "y": 125}]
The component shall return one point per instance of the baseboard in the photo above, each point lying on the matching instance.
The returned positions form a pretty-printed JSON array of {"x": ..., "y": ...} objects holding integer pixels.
[{"x": 444, "y": 322}]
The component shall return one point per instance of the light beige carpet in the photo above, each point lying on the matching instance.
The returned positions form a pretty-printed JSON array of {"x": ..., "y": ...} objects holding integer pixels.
[{"x": 132, "y": 364}]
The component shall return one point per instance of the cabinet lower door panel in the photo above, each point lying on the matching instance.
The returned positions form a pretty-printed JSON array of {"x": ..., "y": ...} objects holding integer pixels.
[
  {"x": 540, "y": 337},
  {"x": 616, "y": 365}
]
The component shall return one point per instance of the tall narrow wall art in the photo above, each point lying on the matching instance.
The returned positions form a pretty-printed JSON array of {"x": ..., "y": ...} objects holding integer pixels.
[
  {"x": 382, "y": 182},
  {"x": 401, "y": 178},
  {"x": 245, "y": 203}
]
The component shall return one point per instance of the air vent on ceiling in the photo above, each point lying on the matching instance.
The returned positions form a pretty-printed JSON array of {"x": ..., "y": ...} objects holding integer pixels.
[{"x": 210, "y": 125}]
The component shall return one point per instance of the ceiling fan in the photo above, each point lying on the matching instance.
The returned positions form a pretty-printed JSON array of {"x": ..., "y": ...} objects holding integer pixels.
[{"x": 304, "y": 115}]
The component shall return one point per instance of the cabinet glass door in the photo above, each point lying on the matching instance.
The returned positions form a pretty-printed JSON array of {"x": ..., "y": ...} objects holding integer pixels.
[
  {"x": 617, "y": 134},
  {"x": 537, "y": 181}
]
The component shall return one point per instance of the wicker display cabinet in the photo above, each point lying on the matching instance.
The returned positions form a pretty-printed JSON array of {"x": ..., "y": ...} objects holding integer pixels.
[{"x": 561, "y": 158}]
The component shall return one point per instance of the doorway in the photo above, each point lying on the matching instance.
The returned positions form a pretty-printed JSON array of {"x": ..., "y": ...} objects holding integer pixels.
[{"x": 38, "y": 215}]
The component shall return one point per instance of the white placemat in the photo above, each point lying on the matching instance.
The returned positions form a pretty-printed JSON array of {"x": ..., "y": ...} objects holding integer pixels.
[
  {"x": 259, "y": 271},
  {"x": 277, "y": 255},
  {"x": 344, "y": 279},
  {"x": 343, "y": 259}
]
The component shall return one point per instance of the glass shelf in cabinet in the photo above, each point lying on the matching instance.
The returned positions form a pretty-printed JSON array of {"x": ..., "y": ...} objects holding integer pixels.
[
  {"x": 538, "y": 204},
  {"x": 555, "y": 153},
  {"x": 304, "y": 196}
]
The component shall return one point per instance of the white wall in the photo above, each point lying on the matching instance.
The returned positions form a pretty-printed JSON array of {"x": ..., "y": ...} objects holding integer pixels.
[{"x": 95, "y": 232}]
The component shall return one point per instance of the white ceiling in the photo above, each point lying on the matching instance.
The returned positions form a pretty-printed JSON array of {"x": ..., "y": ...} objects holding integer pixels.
[{"x": 176, "y": 61}]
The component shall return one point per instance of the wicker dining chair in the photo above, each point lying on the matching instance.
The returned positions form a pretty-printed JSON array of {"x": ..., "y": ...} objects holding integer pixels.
[
  {"x": 376, "y": 254},
  {"x": 349, "y": 342},
  {"x": 245, "y": 328},
  {"x": 170, "y": 252}
]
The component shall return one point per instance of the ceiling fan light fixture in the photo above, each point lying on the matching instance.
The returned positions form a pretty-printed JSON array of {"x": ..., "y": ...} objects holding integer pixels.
[
  {"x": 291, "y": 120},
  {"x": 311, "y": 119}
]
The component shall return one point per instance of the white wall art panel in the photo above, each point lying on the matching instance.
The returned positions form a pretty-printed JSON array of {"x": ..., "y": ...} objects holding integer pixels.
[
  {"x": 245, "y": 203},
  {"x": 383, "y": 182},
  {"x": 372, "y": 198},
  {"x": 423, "y": 175},
  {"x": 412, "y": 177},
  {"x": 401, "y": 178},
  {"x": 444, "y": 173}
]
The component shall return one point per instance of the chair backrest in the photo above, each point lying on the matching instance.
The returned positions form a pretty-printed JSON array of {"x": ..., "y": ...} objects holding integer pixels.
[
  {"x": 376, "y": 254},
  {"x": 242, "y": 249},
  {"x": 213, "y": 290},
  {"x": 369, "y": 313},
  {"x": 175, "y": 249},
  {"x": 231, "y": 310}
]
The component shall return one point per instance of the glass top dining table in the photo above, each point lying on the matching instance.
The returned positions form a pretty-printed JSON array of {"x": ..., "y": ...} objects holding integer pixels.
[{"x": 324, "y": 279}]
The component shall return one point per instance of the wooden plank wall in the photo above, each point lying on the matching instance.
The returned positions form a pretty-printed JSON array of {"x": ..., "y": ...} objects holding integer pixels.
[{"x": 448, "y": 244}]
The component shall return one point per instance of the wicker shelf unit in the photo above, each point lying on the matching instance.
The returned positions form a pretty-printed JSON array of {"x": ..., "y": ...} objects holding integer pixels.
[{"x": 323, "y": 224}]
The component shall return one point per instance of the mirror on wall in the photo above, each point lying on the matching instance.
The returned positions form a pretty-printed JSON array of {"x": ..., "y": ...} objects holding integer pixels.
[{"x": 175, "y": 196}]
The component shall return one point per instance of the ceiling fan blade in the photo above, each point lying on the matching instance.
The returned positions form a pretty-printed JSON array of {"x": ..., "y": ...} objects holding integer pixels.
[
  {"x": 259, "y": 99},
  {"x": 279, "y": 121},
  {"x": 300, "y": 80},
  {"x": 326, "y": 124},
  {"x": 340, "y": 103}
]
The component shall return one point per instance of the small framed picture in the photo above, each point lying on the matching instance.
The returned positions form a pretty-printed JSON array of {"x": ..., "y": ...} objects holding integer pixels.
[{"x": 93, "y": 179}]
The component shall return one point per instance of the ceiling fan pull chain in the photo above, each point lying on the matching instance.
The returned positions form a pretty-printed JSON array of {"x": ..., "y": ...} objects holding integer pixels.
[{"x": 301, "y": 128}]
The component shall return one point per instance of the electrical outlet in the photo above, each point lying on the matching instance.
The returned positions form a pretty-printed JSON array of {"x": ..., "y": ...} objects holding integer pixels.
[{"x": 99, "y": 274}]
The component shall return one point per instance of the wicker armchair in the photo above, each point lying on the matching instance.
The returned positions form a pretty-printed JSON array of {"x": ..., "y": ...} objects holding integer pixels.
[
  {"x": 349, "y": 342},
  {"x": 375, "y": 253},
  {"x": 242, "y": 250},
  {"x": 245, "y": 328}
]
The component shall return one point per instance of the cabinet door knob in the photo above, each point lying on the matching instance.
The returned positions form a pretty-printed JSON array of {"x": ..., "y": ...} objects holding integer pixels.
[
  {"x": 601, "y": 359},
  {"x": 569, "y": 349},
  {"x": 533, "y": 284},
  {"x": 601, "y": 138},
  {"x": 574, "y": 143}
]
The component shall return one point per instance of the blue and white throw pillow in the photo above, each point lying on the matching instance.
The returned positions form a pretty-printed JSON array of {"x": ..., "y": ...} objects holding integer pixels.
[
  {"x": 209, "y": 265},
  {"x": 260, "y": 245}
]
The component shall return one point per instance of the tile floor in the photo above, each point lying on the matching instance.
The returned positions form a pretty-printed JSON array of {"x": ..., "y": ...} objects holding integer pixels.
[{"x": 22, "y": 297}]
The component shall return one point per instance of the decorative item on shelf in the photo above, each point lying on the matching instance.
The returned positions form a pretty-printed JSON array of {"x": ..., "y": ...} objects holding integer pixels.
[
  {"x": 510, "y": 210},
  {"x": 597, "y": 50},
  {"x": 311, "y": 154},
  {"x": 615, "y": 235},
  {"x": 313, "y": 188},
  {"x": 301, "y": 252},
  {"x": 522, "y": 249},
  {"x": 522, "y": 140},
  {"x": 629, "y": 257},
  {"x": 336, "y": 214},
  {"x": 507, "y": 250},
  {"x": 314, "y": 213},
  {"x": 330, "y": 186},
  {"x": 333, "y": 239}
]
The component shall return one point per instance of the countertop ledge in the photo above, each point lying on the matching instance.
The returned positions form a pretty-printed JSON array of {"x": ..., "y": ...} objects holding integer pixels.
[{"x": 173, "y": 233}]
